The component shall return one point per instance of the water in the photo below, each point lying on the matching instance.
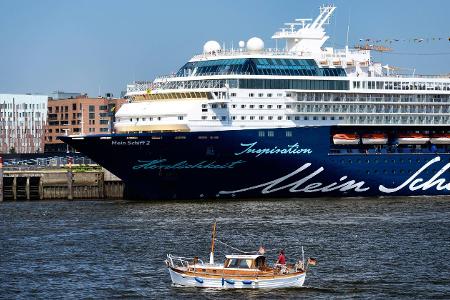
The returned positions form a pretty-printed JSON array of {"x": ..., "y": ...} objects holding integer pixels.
[{"x": 366, "y": 248}]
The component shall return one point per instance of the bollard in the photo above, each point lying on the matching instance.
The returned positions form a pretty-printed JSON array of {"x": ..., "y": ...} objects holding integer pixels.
[
  {"x": 1, "y": 179},
  {"x": 69, "y": 179}
]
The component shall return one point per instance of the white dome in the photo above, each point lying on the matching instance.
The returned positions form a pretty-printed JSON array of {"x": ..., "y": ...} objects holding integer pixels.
[
  {"x": 255, "y": 44},
  {"x": 211, "y": 46},
  {"x": 241, "y": 44}
]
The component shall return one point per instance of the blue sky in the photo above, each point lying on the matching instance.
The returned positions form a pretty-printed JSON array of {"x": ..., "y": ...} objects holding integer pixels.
[{"x": 87, "y": 45}]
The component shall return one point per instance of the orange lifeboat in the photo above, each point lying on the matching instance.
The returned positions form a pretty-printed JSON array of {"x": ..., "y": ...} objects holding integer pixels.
[
  {"x": 345, "y": 139},
  {"x": 440, "y": 138},
  {"x": 413, "y": 139},
  {"x": 374, "y": 139}
]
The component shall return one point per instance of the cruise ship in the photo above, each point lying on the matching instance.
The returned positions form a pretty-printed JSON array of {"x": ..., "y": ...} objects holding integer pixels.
[{"x": 302, "y": 121}]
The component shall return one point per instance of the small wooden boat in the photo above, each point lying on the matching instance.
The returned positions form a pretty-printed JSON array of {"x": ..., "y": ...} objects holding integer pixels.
[
  {"x": 238, "y": 271},
  {"x": 345, "y": 139},
  {"x": 374, "y": 139},
  {"x": 440, "y": 138},
  {"x": 413, "y": 139}
]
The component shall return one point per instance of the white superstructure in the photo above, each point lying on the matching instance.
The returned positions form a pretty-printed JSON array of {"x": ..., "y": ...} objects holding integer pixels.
[{"x": 303, "y": 84}]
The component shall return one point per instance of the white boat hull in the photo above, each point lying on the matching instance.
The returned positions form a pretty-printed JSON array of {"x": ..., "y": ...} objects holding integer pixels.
[
  {"x": 345, "y": 142},
  {"x": 230, "y": 283},
  {"x": 413, "y": 141},
  {"x": 370, "y": 141},
  {"x": 440, "y": 141}
]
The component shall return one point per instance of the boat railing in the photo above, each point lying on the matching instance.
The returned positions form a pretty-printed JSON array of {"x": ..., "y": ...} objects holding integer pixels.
[{"x": 179, "y": 261}]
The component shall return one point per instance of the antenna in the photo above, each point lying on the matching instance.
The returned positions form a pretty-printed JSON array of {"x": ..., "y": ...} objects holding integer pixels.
[{"x": 303, "y": 22}]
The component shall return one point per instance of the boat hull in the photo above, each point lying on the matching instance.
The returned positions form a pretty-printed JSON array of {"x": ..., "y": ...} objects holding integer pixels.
[
  {"x": 292, "y": 162},
  {"x": 185, "y": 280}
]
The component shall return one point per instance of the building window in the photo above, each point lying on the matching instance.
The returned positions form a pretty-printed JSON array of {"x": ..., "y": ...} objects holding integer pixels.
[
  {"x": 91, "y": 108},
  {"x": 91, "y": 115},
  {"x": 74, "y": 106},
  {"x": 104, "y": 107},
  {"x": 103, "y": 129},
  {"x": 104, "y": 122}
]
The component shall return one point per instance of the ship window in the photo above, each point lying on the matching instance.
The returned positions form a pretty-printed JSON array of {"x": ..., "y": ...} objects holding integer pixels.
[
  {"x": 289, "y": 133},
  {"x": 214, "y": 117},
  {"x": 242, "y": 106},
  {"x": 223, "y": 118},
  {"x": 242, "y": 117},
  {"x": 305, "y": 118},
  {"x": 233, "y": 94},
  {"x": 234, "y": 106},
  {"x": 233, "y": 118},
  {"x": 269, "y": 106},
  {"x": 252, "y": 117},
  {"x": 270, "y": 117},
  {"x": 252, "y": 106},
  {"x": 261, "y": 133},
  {"x": 261, "y": 106},
  {"x": 269, "y": 95},
  {"x": 251, "y": 95},
  {"x": 278, "y": 106},
  {"x": 288, "y": 118},
  {"x": 261, "y": 117},
  {"x": 260, "y": 95},
  {"x": 297, "y": 118},
  {"x": 270, "y": 133},
  {"x": 280, "y": 117}
]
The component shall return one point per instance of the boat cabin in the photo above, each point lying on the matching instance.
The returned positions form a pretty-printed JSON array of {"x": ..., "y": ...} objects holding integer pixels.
[{"x": 244, "y": 262}]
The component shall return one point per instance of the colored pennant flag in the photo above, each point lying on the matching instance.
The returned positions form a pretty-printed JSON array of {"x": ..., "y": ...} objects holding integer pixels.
[{"x": 312, "y": 261}]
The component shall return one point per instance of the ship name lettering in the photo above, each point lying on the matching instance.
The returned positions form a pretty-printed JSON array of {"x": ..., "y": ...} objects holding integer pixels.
[
  {"x": 299, "y": 186},
  {"x": 162, "y": 164},
  {"x": 291, "y": 149},
  {"x": 414, "y": 183}
]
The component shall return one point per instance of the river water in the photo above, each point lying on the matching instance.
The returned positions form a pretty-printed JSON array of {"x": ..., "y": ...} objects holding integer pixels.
[{"x": 365, "y": 247}]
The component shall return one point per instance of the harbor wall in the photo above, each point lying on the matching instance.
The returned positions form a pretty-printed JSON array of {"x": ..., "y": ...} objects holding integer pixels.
[{"x": 46, "y": 184}]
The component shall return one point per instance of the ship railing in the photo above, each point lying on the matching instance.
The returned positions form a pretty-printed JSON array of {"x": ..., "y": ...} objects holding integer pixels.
[{"x": 180, "y": 261}]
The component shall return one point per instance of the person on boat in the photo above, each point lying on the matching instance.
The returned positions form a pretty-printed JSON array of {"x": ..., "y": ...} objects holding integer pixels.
[{"x": 281, "y": 258}]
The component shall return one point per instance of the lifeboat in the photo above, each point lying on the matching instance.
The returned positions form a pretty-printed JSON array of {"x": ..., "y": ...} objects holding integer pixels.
[
  {"x": 413, "y": 139},
  {"x": 440, "y": 138},
  {"x": 345, "y": 139},
  {"x": 374, "y": 139}
]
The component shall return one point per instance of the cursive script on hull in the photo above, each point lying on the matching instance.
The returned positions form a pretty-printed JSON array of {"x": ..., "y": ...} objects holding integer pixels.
[
  {"x": 302, "y": 185},
  {"x": 415, "y": 182},
  {"x": 290, "y": 182},
  {"x": 162, "y": 164}
]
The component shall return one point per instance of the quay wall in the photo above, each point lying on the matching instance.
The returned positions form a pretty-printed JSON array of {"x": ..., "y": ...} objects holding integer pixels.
[{"x": 47, "y": 183}]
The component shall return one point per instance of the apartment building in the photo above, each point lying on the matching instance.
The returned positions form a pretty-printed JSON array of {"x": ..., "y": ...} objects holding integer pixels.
[{"x": 79, "y": 115}]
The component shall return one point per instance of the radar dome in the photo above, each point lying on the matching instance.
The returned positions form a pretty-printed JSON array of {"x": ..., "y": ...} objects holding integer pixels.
[
  {"x": 255, "y": 44},
  {"x": 241, "y": 44},
  {"x": 211, "y": 46}
]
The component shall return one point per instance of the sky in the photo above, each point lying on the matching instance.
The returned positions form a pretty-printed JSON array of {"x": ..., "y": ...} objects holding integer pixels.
[{"x": 98, "y": 46}]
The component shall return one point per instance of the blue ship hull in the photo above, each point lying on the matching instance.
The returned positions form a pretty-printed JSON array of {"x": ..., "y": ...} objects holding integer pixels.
[{"x": 294, "y": 162}]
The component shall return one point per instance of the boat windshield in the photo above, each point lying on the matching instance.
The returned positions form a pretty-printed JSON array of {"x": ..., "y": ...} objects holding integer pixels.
[{"x": 239, "y": 263}]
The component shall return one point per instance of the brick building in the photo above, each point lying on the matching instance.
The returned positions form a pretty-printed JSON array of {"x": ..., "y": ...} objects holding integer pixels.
[{"x": 79, "y": 115}]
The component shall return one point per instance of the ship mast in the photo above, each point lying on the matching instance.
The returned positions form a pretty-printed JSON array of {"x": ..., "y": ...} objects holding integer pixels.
[{"x": 211, "y": 255}]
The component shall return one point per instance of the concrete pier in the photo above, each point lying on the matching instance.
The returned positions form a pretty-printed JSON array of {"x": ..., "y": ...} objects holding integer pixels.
[{"x": 43, "y": 184}]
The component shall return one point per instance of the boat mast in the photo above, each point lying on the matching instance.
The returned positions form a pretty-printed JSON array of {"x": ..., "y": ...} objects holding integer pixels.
[{"x": 211, "y": 255}]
